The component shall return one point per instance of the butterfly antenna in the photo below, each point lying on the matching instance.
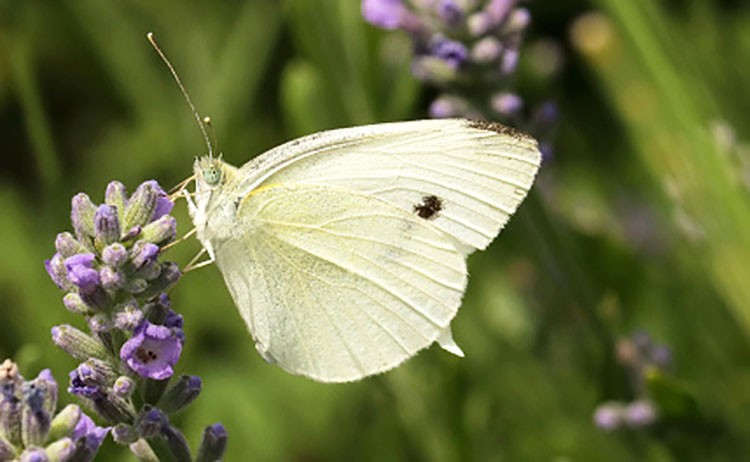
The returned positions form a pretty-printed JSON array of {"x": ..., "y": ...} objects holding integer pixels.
[
  {"x": 212, "y": 134},
  {"x": 200, "y": 121}
]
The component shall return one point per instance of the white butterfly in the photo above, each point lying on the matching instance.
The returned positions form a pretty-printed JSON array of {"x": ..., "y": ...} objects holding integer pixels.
[{"x": 345, "y": 251}]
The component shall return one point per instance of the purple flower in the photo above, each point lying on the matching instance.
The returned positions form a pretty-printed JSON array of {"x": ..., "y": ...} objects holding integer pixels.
[
  {"x": 507, "y": 103},
  {"x": 163, "y": 204},
  {"x": 608, "y": 416},
  {"x": 640, "y": 413},
  {"x": 152, "y": 351},
  {"x": 91, "y": 434},
  {"x": 452, "y": 52},
  {"x": 450, "y": 12},
  {"x": 82, "y": 382},
  {"x": 388, "y": 14},
  {"x": 81, "y": 271},
  {"x": 498, "y": 10},
  {"x": 144, "y": 253}
]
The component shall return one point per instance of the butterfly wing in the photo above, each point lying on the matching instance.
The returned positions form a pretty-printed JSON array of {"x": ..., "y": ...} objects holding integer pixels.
[
  {"x": 479, "y": 171},
  {"x": 337, "y": 285},
  {"x": 346, "y": 252}
]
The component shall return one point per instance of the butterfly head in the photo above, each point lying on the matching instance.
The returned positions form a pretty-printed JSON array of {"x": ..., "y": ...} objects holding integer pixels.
[{"x": 209, "y": 172}]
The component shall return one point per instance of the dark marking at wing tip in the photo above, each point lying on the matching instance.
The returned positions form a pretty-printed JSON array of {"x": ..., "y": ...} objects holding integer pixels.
[
  {"x": 497, "y": 128},
  {"x": 429, "y": 208}
]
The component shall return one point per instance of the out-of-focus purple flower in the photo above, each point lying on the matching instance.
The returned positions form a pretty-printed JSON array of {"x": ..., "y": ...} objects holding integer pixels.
[
  {"x": 608, "y": 416},
  {"x": 509, "y": 61},
  {"x": 81, "y": 271},
  {"x": 498, "y": 10},
  {"x": 640, "y": 413},
  {"x": 661, "y": 356},
  {"x": 388, "y": 14},
  {"x": 450, "y": 12},
  {"x": 152, "y": 351},
  {"x": 452, "y": 52},
  {"x": 507, "y": 103},
  {"x": 486, "y": 50}
]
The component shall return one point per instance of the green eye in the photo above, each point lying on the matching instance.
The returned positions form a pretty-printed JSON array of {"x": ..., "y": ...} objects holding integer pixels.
[{"x": 212, "y": 175}]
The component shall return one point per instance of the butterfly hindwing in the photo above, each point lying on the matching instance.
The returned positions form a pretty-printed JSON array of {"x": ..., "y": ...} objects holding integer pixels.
[{"x": 337, "y": 285}]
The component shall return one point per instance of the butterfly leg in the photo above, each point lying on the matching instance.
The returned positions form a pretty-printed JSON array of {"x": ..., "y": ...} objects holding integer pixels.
[{"x": 193, "y": 265}]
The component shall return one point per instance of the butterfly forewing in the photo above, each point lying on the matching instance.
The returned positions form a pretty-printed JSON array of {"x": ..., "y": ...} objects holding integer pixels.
[{"x": 479, "y": 172}]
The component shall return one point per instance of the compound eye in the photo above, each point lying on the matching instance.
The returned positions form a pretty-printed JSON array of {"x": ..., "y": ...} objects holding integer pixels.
[{"x": 212, "y": 176}]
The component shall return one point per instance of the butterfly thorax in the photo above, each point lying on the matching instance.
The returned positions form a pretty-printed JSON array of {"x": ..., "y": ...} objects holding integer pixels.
[{"x": 213, "y": 208}]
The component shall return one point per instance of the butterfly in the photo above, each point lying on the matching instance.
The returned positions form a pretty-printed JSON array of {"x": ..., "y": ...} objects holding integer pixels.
[{"x": 345, "y": 251}]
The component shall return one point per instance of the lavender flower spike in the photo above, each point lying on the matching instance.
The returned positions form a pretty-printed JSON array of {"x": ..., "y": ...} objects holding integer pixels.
[
  {"x": 152, "y": 351},
  {"x": 389, "y": 14}
]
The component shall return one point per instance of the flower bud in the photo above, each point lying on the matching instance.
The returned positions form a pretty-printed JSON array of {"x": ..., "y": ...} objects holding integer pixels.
[
  {"x": 448, "y": 106},
  {"x": 61, "y": 450},
  {"x": 67, "y": 245},
  {"x": 160, "y": 231},
  {"x": 11, "y": 383},
  {"x": 111, "y": 279},
  {"x": 129, "y": 316},
  {"x": 123, "y": 387},
  {"x": 124, "y": 434},
  {"x": 7, "y": 451},
  {"x": 35, "y": 420},
  {"x": 82, "y": 217},
  {"x": 143, "y": 253},
  {"x": 150, "y": 421},
  {"x": 115, "y": 255},
  {"x": 56, "y": 269},
  {"x": 170, "y": 274},
  {"x": 509, "y": 61},
  {"x": 142, "y": 205},
  {"x": 33, "y": 454},
  {"x": 180, "y": 394},
  {"x": 213, "y": 445},
  {"x": 74, "y": 303},
  {"x": 65, "y": 422},
  {"x": 176, "y": 442},
  {"x": 106, "y": 225},
  {"x": 77, "y": 343},
  {"x": 116, "y": 196},
  {"x": 100, "y": 323}
]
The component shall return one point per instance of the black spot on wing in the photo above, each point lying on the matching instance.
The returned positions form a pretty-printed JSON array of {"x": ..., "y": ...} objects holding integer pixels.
[
  {"x": 497, "y": 128},
  {"x": 429, "y": 208}
]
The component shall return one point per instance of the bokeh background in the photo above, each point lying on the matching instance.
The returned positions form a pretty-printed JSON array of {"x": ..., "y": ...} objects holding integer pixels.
[{"x": 639, "y": 221}]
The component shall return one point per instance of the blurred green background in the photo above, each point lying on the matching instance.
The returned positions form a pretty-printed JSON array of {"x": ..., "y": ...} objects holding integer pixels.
[{"x": 640, "y": 220}]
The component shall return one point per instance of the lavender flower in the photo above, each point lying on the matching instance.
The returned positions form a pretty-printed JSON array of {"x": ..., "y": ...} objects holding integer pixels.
[
  {"x": 30, "y": 429},
  {"x": 152, "y": 351},
  {"x": 469, "y": 50},
  {"x": 112, "y": 275},
  {"x": 608, "y": 416}
]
